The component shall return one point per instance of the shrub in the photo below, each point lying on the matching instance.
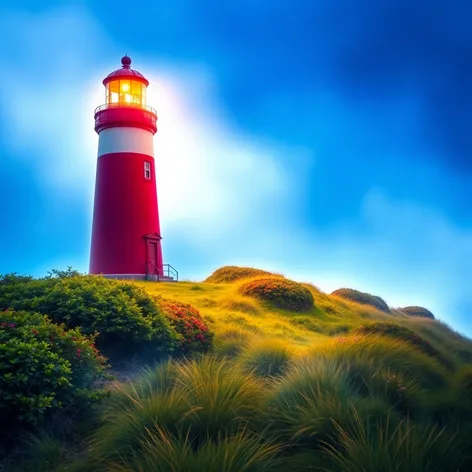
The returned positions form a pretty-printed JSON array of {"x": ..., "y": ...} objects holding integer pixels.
[
  {"x": 43, "y": 366},
  {"x": 281, "y": 293},
  {"x": 416, "y": 311},
  {"x": 194, "y": 334},
  {"x": 230, "y": 274},
  {"x": 362, "y": 298},
  {"x": 122, "y": 313},
  {"x": 266, "y": 357},
  {"x": 399, "y": 332}
]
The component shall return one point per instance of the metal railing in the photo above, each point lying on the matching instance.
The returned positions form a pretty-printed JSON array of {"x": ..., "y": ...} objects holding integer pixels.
[
  {"x": 138, "y": 106},
  {"x": 166, "y": 271},
  {"x": 171, "y": 272}
]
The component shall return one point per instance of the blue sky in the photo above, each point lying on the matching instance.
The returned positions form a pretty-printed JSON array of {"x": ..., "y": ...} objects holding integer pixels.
[{"x": 329, "y": 140}]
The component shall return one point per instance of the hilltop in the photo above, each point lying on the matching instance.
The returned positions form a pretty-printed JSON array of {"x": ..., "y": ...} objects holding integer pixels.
[{"x": 245, "y": 371}]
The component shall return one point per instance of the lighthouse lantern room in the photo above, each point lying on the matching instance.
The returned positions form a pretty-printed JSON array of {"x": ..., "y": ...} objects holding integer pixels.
[{"x": 126, "y": 235}]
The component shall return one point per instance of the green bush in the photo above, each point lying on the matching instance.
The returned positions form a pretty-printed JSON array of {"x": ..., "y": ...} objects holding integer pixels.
[
  {"x": 43, "y": 366},
  {"x": 230, "y": 274},
  {"x": 123, "y": 314},
  {"x": 281, "y": 293},
  {"x": 362, "y": 298},
  {"x": 416, "y": 311},
  {"x": 194, "y": 334}
]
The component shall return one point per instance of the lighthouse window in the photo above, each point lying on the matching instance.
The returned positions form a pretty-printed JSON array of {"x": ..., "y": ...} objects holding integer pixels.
[
  {"x": 147, "y": 170},
  {"x": 125, "y": 92},
  {"x": 136, "y": 91},
  {"x": 113, "y": 89}
]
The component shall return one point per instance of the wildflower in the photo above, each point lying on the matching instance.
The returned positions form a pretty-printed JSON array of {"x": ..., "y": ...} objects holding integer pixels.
[
  {"x": 35, "y": 331},
  {"x": 12, "y": 325},
  {"x": 4, "y": 325}
]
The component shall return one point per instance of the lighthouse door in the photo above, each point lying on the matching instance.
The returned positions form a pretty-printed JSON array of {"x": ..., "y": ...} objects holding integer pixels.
[{"x": 152, "y": 254}]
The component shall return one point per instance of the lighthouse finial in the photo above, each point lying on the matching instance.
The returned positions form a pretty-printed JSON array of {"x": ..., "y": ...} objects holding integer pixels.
[{"x": 126, "y": 61}]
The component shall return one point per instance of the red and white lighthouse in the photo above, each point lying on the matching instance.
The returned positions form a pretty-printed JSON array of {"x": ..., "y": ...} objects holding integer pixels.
[{"x": 126, "y": 235}]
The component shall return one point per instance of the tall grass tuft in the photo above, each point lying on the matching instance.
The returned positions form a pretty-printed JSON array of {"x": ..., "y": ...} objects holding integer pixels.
[
  {"x": 305, "y": 401},
  {"x": 159, "y": 379},
  {"x": 382, "y": 352},
  {"x": 238, "y": 453},
  {"x": 401, "y": 448},
  {"x": 231, "y": 342},
  {"x": 266, "y": 357},
  {"x": 126, "y": 425},
  {"x": 219, "y": 396},
  {"x": 204, "y": 396},
  {"x": 43, "y": 451}
]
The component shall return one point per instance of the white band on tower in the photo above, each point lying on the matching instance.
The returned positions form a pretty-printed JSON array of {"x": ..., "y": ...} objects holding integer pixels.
[{"x": 125, "y": 139}]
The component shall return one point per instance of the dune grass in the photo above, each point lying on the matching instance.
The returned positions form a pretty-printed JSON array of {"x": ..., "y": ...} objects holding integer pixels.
[{"x": 284, "y": 390}]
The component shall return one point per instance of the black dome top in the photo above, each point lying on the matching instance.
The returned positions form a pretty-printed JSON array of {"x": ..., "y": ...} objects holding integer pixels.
[{"x": 126, "y": 61}]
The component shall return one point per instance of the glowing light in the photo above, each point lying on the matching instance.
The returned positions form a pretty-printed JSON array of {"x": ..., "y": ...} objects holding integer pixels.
[{"x": 125, "y": 87}]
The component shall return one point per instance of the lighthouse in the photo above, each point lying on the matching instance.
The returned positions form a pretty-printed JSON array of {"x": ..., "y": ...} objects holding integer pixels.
[{"x": 126, "y": 234}]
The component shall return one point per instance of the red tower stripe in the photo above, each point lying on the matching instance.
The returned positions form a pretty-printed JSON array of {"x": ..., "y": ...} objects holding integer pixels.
[{"x": 125, "y": 211}]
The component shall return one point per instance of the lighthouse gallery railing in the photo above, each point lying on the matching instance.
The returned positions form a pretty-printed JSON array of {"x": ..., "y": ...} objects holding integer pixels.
[{"x": 107, "y": 106}]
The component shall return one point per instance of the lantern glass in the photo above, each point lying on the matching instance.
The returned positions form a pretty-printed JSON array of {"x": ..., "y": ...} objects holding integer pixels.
[{"x": 126, "y": 92}]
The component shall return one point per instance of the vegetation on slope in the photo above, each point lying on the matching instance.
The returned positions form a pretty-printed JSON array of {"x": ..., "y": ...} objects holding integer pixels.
[
  {"x": 281, "y": 293},
  {"x": 228, "y": 274},
  {"x": 416, "y": 311},
  {"x": 399, "y": 332},
  {"x": 362, "y": 298},
  {"x": 342, "y": 386}
]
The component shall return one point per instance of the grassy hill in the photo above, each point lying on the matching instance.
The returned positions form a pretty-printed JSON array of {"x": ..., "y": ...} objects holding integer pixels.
[{"x": 295, "y": 379}]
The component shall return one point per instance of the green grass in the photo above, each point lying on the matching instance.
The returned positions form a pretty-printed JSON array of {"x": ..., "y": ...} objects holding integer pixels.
[
  {"x": 266, "y": 357},
  {"x": 342, "y": 386},
  {"x": 229, "y": 274},
  {"x": 417, "y": 311},
  {"x": 389, "y": 448},
  {"x": 162, "y": 452}
]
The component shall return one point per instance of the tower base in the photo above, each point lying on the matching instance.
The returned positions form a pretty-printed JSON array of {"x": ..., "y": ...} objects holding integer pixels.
[{"x": 151, "y": 277}]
